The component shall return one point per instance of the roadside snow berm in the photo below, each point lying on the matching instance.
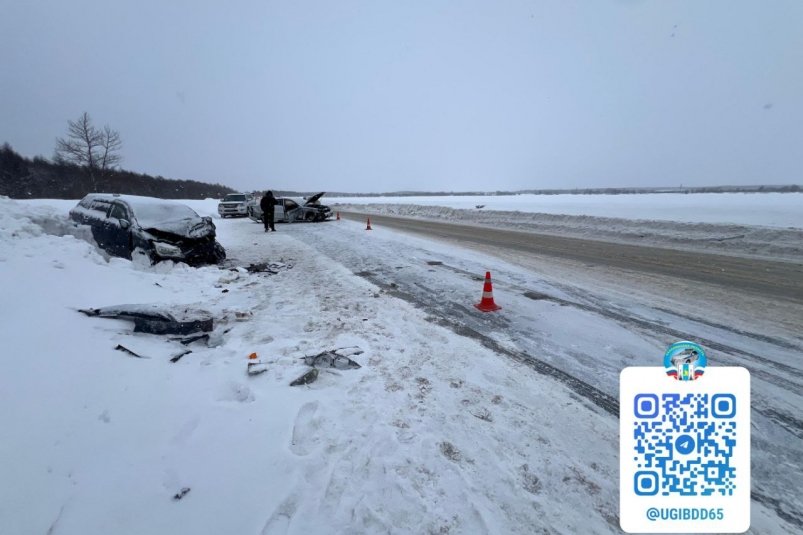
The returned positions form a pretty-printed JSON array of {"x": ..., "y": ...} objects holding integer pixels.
[
  {"x": 368, "y": 224},
  {"x": 487, "y": 303}
]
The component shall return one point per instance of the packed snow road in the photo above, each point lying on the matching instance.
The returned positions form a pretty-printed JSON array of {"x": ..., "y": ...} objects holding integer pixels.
[{"x": 581, "y": 326}]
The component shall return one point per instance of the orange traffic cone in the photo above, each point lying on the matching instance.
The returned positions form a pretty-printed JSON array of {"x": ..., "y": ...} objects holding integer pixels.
[
  {"x": 368, "y": 224},
  {"x": 487, "y": 303},
  {"x": 338, "y": 216}
]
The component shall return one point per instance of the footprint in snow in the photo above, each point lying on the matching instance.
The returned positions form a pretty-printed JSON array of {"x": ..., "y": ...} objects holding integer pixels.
[
  {"x": 279, "y": 521},
  {"x": 305, "y": 429},
  {"x": 238, "y": 392},
  {"x": 186, "y": 430}
]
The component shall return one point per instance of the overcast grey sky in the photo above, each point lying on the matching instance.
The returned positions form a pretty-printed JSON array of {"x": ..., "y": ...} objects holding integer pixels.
[{"x": 370, "y": 96}]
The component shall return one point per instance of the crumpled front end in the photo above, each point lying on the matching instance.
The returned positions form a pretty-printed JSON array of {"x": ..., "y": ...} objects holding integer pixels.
[
  {"x": 324, "y": 212},
  {"x": 191, "y": 250}
]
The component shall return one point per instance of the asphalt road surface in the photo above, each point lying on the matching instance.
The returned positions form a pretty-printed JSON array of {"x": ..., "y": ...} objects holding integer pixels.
[{"x": 780, "y": 280}]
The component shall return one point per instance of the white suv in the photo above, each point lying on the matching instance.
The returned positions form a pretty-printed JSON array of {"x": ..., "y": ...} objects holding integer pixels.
[{"x": 233, "y": 205}]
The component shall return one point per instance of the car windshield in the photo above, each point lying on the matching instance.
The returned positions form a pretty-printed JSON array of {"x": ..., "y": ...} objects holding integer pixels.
[
  {"x": 154, "y": 214},
  {"x": 234, "y": 198}
]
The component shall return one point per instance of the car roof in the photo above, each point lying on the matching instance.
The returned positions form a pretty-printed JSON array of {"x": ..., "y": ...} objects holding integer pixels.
[
  {"x": 131, "y": 200},
  {"x": 135, "y": 202}
]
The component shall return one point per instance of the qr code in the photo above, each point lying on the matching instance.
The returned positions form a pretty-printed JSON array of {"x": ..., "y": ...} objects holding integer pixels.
[{"x": 684, "y": 444}]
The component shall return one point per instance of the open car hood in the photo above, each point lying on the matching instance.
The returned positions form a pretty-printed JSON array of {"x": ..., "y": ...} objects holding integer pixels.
[{"x": 314, "y": 198}]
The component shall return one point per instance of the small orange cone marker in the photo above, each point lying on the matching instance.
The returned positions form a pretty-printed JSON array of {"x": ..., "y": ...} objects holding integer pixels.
[
  {"x": 487, "y": 303},
  {"x": 255, "y": 367},
  {"x": 368, "y": 224}
]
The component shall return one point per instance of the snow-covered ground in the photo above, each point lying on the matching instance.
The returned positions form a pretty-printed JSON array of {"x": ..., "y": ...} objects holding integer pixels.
[
  {"x": 437, "y": 432},
  {"x": 782, "y": 210}
]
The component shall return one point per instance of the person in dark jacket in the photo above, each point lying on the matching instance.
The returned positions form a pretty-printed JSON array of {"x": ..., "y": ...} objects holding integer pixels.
[{"x": 267, "y": 203}]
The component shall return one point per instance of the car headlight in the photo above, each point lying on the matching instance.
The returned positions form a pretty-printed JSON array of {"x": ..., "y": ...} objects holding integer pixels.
[{"x": 166, "y": 249}]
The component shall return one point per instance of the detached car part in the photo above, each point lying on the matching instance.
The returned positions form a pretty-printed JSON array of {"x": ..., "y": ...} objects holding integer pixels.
[{"x": 154, "y": 320}]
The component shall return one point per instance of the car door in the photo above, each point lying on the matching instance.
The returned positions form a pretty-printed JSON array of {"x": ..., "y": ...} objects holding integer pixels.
[
  {"x": 118, "y": 231},
  {"x": 96, "y": 219},
  {"x": 279, "y": 210},
  {"x": 291, "y": 210}
]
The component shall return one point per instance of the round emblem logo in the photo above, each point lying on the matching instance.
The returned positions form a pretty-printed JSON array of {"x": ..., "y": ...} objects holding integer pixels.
[{"x": 685, "y": 361}]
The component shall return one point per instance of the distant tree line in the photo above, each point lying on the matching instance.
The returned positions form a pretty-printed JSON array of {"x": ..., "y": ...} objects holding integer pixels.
[
  {"x": 24, "y": 178},
  {"x": 789, "y": 188}
]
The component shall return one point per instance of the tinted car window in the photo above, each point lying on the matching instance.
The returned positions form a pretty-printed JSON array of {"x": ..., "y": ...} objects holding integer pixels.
[
  {"x": 100, "y": 206},
  {"x": 289, "y": 205},
  {"x": 118, "y": 212}
]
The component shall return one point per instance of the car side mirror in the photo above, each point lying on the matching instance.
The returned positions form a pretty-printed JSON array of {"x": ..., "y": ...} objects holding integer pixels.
[{"x": 125, "y": 224}]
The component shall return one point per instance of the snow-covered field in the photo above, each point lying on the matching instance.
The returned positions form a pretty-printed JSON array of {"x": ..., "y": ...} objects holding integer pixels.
[
  {"x": 437, "y": 432},
  {"x": 782, "y": 210}
]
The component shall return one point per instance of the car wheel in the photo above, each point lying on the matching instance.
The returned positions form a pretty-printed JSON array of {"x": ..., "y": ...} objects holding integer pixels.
[{"x": 219, "y": 253}]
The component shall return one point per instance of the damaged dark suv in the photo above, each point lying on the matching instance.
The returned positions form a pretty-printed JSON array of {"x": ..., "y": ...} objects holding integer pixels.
[{"x": 125, "y": 225}]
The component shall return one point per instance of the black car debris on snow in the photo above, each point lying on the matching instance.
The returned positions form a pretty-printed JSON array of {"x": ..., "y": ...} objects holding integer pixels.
[{"x": 125, "y": 225}]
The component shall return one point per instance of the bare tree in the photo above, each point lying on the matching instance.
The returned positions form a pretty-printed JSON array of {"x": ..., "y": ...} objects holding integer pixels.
[
  {"x": 95, "y": 150},
  {"x": 111, "y": 144}
]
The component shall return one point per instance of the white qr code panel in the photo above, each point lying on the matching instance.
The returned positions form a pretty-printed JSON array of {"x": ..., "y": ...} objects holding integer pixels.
[{"x": 685, "y": 451}]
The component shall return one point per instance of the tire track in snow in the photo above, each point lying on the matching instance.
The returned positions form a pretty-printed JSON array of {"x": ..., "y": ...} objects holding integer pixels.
[
  {"x": 788, "y": 377},
  {"x": 596, "y": 396},
  {"x": 599, "y": 307},
  {"x": 592, "y": 394},
  {"x": 729, "y": 355},
  {"x": 438, "y": 304}
]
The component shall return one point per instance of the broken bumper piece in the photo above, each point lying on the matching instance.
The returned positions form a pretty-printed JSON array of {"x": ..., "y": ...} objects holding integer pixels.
[{"x": 154, "y": 319}]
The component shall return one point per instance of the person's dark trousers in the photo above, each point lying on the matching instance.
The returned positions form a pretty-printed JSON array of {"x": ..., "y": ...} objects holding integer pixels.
[{"x": 268, "y": 220}]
